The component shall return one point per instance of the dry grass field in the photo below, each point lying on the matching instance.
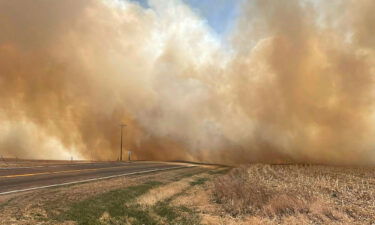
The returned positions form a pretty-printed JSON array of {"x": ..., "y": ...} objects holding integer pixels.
[{"x": 296, "y": 194}]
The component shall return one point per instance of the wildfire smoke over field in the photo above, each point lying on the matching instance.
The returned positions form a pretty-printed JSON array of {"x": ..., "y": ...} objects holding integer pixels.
[{"x": 292, "y": 81}]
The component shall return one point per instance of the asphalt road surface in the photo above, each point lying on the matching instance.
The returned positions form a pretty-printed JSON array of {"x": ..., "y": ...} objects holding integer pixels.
[{"x": 18, "y": 179}]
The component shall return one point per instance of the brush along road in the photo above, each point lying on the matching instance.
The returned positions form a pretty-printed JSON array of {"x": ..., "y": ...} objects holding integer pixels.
[{"x": 18, "y": 179}]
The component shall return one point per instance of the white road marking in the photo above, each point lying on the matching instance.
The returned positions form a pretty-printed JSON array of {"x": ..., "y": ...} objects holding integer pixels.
[{"x": 93, "y": 179}]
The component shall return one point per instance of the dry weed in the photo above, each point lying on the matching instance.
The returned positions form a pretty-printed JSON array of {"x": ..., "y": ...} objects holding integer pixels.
[
  {"x": 239, "y": 194},
  {"x": 298, "y": 194},
  {"x": 164, "y": 192},
  {"x": 283, "y": 204}
]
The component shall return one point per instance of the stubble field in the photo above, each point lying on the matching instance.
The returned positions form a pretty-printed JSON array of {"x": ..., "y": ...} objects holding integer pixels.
[{"x": 296, "y": 194}]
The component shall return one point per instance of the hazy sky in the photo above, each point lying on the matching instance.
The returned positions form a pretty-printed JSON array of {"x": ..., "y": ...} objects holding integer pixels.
[{"x": 219, "y": 14}]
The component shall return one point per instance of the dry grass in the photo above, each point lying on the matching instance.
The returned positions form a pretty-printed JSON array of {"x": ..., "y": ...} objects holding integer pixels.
[
  {"x": 240, "y": 195},
  {"x": 292, "y": 194},
  {"x": 167, "y": 191}
]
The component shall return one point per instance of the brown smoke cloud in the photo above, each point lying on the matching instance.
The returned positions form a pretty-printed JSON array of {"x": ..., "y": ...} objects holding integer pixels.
[{"x": 295, "y": 83}]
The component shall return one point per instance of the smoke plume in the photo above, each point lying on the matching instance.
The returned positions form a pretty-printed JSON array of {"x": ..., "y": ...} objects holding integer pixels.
[{"x": 292, "y": 82}]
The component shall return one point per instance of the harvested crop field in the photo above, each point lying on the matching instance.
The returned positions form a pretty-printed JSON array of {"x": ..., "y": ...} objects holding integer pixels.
[{"x": 295, "y": 194}]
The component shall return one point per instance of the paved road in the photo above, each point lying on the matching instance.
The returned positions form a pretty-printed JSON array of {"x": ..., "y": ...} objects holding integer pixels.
[{"x": 28, "y": 178}]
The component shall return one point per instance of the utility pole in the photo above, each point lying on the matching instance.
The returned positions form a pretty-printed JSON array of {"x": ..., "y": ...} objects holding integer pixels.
[{"x": 122, "y": 126}]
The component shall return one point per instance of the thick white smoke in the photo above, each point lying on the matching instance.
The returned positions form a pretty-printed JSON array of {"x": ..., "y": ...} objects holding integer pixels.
[{"x": 294, "y": 83}]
